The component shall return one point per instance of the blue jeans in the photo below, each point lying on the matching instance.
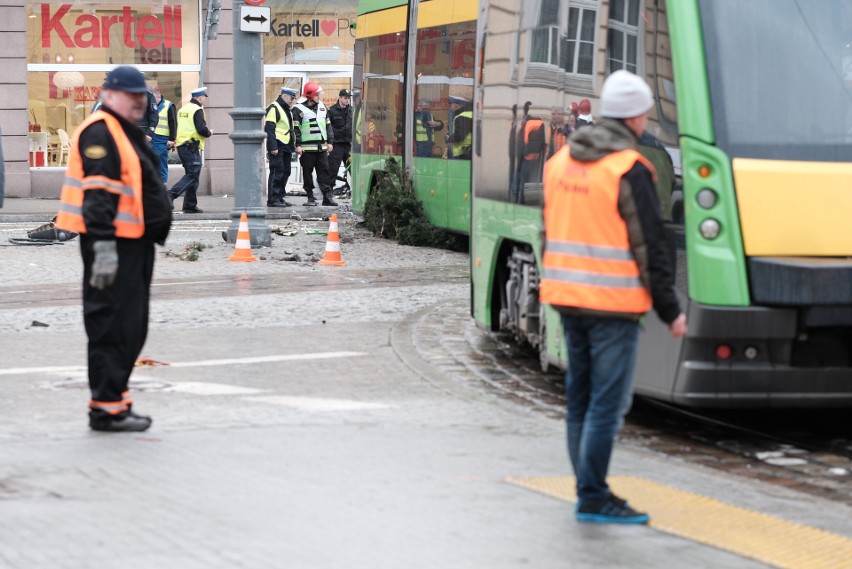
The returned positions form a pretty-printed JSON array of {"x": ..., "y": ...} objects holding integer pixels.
[
  {"x": 599, "y": 389},
  {"x": 159, "y": 143}
]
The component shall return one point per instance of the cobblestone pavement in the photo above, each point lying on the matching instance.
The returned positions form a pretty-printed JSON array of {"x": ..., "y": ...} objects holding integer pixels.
[{"x": 451, "y": 343}]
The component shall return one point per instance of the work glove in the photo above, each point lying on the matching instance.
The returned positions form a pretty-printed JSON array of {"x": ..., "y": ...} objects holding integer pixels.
[{"x": 105, "y": 265}]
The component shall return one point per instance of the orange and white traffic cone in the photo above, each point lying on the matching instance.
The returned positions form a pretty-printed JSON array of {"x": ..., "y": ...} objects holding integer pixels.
[
  {"x": 242, "y": 249},
  {"x": 332, "y": 245}
]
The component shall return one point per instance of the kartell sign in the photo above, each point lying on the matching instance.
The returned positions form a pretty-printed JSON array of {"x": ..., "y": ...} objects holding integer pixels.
[{"x": 61, "y": 29}]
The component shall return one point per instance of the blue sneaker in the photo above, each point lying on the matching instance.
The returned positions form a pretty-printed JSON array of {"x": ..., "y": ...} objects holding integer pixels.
[{"x": 612, "y": 510}]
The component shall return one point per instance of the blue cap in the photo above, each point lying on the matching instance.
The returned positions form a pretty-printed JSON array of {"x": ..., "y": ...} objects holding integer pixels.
[
  {"x": 200, "y": 92},
  {"x": 458, "y": 100},
  {"x": 288, "y": 91},
  {"x": 125, "y": 78}
]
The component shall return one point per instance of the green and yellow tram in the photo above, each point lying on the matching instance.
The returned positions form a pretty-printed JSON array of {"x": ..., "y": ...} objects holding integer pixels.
[{"x": 751, "y": 136}]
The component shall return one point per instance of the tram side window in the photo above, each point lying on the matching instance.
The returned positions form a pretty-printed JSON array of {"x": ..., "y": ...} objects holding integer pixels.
[
  {"x": 383, "y": 95},
  {"x": 443, "y": 113}
]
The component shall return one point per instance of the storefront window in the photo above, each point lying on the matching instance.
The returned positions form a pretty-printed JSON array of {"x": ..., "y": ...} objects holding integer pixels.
[
  {"x": 112, "y": 33},
  {"x": 71, "y": 47},
  {"x": 305, "y": 35}
]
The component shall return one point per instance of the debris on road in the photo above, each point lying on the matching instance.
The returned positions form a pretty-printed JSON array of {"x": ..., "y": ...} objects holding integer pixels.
[{"x": 46, "y": 234}]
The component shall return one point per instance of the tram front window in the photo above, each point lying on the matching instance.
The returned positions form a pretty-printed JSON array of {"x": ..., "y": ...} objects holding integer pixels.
[{"x": 781, "y": 78}]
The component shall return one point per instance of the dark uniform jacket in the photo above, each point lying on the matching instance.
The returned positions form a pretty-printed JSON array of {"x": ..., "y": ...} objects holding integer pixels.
[
  {"x": 151, "y": 117},
  {"x": 639, "y": 207},
  {"x": 272, "y": 143},
  {"x": 341, "y": 122},
  {"x": 99, "y": 206}
]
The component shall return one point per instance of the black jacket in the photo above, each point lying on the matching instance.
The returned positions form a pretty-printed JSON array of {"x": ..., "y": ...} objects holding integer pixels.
[
  {"x": 341, "y": 122},
  {"x": 151, "y": 117},
  {"x": 100, "y": 206}
]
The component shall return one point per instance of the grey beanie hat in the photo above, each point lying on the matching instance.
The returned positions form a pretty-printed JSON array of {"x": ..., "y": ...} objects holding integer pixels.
[{"x": 625, "y": 95}]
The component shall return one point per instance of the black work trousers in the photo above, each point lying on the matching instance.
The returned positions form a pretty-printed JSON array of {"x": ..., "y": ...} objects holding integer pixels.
[
  {"x": 341, "y": 152},
  {"x": 316, "y": 160},
  {"x": 190, "y": 157},
  {"x": 116, "y": 318},
  {"x": 279, "y": 173}
]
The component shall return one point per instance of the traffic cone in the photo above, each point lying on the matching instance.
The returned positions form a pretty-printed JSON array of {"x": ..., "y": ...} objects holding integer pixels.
[
  {"x": 242, "y": 249},
  {"x": 332, "y": 245}
]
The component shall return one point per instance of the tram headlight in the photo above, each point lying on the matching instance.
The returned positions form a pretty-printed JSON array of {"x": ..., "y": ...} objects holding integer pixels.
[
  {"x": 710, "y": 228},
  {"x": 706, "y": 198}
]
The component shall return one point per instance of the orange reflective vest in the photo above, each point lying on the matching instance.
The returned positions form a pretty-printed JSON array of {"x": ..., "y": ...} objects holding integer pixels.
[
  {"x": 557, "y": 139},
  {"x": 587, "y": 258},
  {"x": 129, "y": 221},
  {"x": 534, "y": 143}
]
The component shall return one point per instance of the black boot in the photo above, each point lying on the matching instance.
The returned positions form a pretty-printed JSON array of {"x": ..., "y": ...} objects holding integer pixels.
[
  {"x": 126, "y": 421},
  {"x": 328, "y": 198},
  {"x": 311, "y": 201}
]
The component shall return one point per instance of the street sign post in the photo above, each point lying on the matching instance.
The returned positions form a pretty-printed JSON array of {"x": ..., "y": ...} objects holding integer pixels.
[
  {"x": 248, "y": 135},
  {"x": 255, "y": 19}
]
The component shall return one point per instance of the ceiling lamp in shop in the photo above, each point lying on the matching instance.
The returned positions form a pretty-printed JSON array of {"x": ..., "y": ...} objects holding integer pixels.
[{"x": 68, "y": 79}]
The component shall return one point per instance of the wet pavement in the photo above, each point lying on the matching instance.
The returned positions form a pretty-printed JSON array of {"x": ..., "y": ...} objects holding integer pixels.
[
  {"x": 309, "y": 417},
  {"x": 752, "y": 444}
]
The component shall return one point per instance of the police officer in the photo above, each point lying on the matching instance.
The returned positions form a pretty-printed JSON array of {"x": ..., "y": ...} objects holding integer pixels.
[
  {"x": 340, "y": 115},
  {"x": 165, "y": 133},
  {"x": 461, "y": 136},
  {"x": 314, "y": 139},
  {"x": 114, "y": 198},
  {"x": 279, "y": 146},
  {"x": 191, "y": 131},
  {"x": 425, "y": 124}
]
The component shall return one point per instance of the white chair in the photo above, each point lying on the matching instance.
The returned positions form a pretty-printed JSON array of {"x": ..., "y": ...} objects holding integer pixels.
[{"x": 64, "y": 146}]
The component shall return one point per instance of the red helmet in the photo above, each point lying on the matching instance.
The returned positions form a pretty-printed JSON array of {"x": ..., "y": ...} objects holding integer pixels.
[{"x": 311, "y": 90}]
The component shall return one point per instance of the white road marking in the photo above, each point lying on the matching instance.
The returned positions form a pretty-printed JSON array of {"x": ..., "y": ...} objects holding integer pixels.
[
  {"x": 190, "y": 283},
  {"x": 200, "y": 363},
  {"x": 205, "y": 388},
  {"x": 267, "y": 359},
  {"x": 317, "y": 404}
]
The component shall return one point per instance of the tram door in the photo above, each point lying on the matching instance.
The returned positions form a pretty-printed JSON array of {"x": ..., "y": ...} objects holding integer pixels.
[{"x": 330, "y": 81}]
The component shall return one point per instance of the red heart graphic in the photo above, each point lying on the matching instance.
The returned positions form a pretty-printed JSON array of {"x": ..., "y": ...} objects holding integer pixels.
[{"x": 328, "y": 27}]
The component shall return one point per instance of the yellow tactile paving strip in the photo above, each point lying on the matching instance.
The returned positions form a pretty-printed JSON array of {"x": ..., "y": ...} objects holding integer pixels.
[{"x": 704, "y": 520}]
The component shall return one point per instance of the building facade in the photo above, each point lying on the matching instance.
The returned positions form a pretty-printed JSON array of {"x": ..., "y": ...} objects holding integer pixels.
[{"x": 54, "y": 56}]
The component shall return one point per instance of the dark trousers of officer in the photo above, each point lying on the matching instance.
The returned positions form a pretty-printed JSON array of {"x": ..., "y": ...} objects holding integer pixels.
[
  {"x": 318, "y": 161},
  {"x": 341, "y": 152},
  {"x": 116, "y": 318},
  {"x": 279, "y": 173},
  {"x": 424, "y": 149},
  {"x": 190, "y": 157}
]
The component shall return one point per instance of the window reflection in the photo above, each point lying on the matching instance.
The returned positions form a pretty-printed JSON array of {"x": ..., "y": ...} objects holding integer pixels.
[
  {"x": 383, "y": 95},
  {"x": 443, "y": 117}
]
